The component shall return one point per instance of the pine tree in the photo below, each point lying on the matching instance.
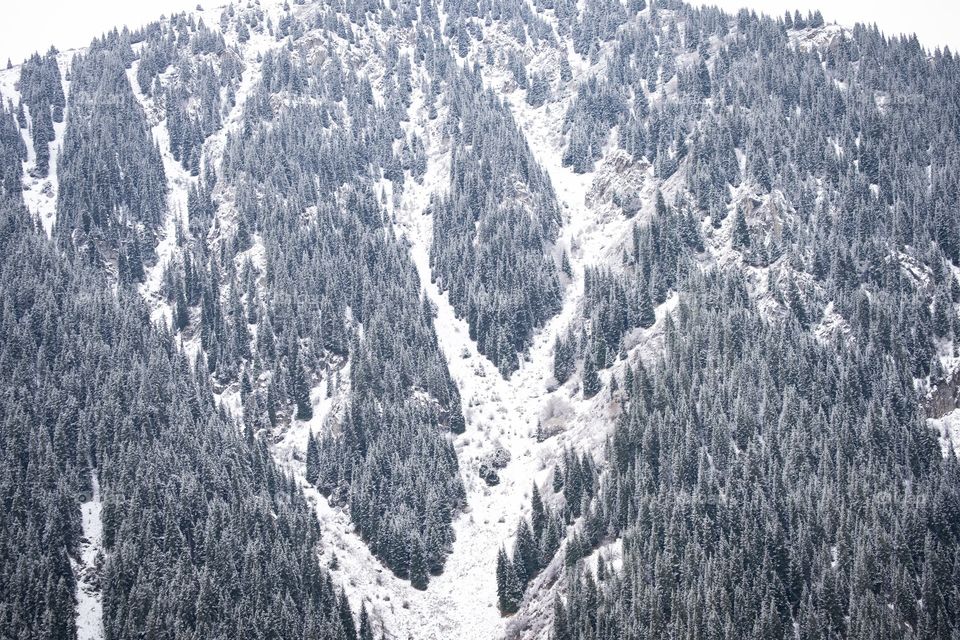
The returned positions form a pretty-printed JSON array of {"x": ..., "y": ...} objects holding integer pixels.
[
  {"x": 563, "y": 359},
  {"x": 550, "y": 542},
  {"x": 538, "y": 517},
  {"x": 300, "y": 388},
  {"x": 566, "y": 74},
  {"x": 539, "y": 89},
  {"x": 512, "y": 591},
  {"x": 346, "y": 618},
  {"x": 648, "y": 317},
  {"x": 366, "y": 628},
  {"x": 591, "y": 379},
  {"x": 703, "y": 79},
  {"x": 181, "y": 311},
  {"x": 42, "y": 134},
  {"x": 419, "y": 576},
  {"x": 740, "y": 237},
  {"x": 942, "y": 312},
  {"x": 794, "y": 302},
  {"x": 503, "y": 569},
  {"x": 313, "y": 460},
  {"x": 526, "y": 554},
  {"x": 560, "y": 630}
]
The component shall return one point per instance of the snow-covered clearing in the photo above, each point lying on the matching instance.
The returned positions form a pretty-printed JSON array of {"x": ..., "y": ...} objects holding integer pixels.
[{"x": 87, "y": 568}]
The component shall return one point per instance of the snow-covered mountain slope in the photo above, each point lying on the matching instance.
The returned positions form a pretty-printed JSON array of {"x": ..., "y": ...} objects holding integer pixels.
[
  {"x": 624, "y": 125},
  {"x": 500, "y": 412},
  {"x": 503, "y": 413}
]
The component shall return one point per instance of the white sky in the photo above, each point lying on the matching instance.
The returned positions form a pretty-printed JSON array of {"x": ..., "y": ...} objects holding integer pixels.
[{"x": 33, "y": 25}]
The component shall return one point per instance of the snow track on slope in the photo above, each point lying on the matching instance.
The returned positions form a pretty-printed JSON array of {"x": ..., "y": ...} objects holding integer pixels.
[
  {"x": 178, "y": 182},
  {"x": 87, "y": 570}
]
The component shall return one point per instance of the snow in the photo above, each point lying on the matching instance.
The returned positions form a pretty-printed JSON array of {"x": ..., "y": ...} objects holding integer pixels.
[
  {"x": 87, "y": 568},
  {"x": 949, "y": 356},
  {"x": 913, "y": 268},
  {"x": 461, "y": 602},
  {"x": 948, "y": 428},
  {"x": 228, "y": 398},
  {"x": 329, "y": 400},
  {"x": 831, "y": 323},
  {"x": 178, "y": 183},
  {"x": 820, "y": 38}
]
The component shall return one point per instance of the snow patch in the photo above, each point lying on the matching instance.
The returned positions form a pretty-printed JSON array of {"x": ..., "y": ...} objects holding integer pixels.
[
  {"x": 831, "y": 324},
  {"x": 949, "y": 429},
  {"x": 87, "y": 567}
]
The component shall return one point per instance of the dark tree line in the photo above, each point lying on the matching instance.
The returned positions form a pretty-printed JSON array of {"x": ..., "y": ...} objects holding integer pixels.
[
  {"x": 13, "y": 152},
  {"x": 112, "y": 194},
  {"x": 494, "y": 231},
  {"x": 340, "y": 291},
  {"x": 203, "y": 535}
]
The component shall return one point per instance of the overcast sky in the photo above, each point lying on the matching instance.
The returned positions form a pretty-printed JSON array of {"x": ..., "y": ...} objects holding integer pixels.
[{"x": 31, "y": 25}]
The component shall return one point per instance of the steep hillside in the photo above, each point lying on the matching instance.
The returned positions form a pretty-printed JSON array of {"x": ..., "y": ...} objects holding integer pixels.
[{"x": 481, "y": 319}]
